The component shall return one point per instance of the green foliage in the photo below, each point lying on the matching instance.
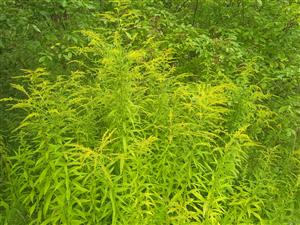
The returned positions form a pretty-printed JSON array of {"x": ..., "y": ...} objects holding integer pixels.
[
  {"x": 3, "y": 182},
  {"x": 176, "y": 118}
]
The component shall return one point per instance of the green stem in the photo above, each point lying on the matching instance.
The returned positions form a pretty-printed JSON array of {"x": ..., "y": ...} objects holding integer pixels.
[{"x": 195, "y": 12}]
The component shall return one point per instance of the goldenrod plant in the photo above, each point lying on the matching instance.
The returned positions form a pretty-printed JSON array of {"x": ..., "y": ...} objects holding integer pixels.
[{"x": 137, "y": 127}]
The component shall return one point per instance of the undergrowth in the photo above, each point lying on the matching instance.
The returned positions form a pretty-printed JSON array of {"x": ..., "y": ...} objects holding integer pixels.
[{"x": 126, "y": 138}]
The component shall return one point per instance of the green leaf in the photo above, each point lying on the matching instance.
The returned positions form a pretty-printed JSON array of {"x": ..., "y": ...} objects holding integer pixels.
[
  {"x": 32, "y": 209},
  {"x": 4, "y": 204},
  {"x": 47, "y": 203},
  {"x": 36, "y": 28},
  {"x": 259, "y": 2}
]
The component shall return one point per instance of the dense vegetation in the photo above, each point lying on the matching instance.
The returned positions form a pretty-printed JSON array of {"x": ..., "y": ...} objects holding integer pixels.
[{"x": 150, "y": 112}]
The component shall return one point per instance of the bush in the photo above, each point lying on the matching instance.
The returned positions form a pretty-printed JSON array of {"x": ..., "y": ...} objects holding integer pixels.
[{"x": 134, "y": 133}]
